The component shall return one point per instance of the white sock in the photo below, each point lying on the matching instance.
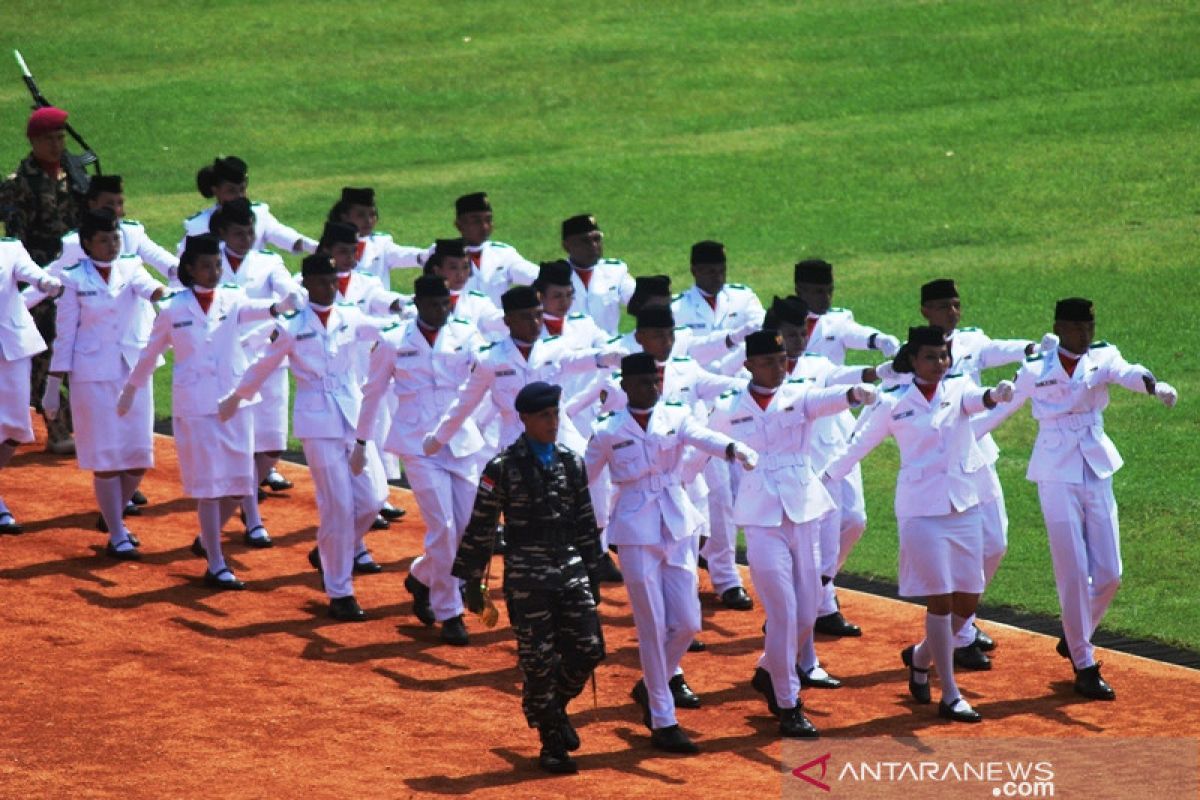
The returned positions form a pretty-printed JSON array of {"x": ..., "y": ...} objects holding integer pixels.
[
  {"x": 921, "y": 659},
  {"x": 108, "y": 495},
  {"x": 964, "y": 630},
  {"x": 250, "y": 508},
  {"x": 129, "y": 484},
  {"x": 209, "y": 510},
  {"x": 227, "y": 506},
  {"x": 263, "y": 464},
  {"x": 940, "y": 640}
]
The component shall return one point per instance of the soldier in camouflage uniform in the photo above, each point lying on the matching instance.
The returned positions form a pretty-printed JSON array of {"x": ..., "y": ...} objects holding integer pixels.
[
  {"x": 549, "y": 568},
  {"x": 40, "y": 203}
]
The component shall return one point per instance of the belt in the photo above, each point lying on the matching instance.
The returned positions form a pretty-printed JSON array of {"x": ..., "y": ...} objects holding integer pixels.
[
  {"x": 779, "y": 460},
  {"x": 651, "y": 483},
  {"x": 326, "y": 383},
  {"x": 1076, "y": 422}
]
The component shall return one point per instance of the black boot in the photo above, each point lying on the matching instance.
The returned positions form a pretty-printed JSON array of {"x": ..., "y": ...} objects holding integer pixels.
[{"x": 554, "y": 757}]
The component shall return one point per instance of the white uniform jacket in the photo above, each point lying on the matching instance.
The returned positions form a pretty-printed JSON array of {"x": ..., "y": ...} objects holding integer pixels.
[
  {"x": 829, "y": 434},
  {"x": 425, "y": 380},
  {"x": 737, "y": 306},
  {"x": 942, "y": 467},
  {"x": 209, "y": 357},
  {"x": 99, "y": 335},
  {"x": 1069, "y": 410},
  {"x": 684, "y": 381},
  {"x": 607, "y": 293},
  {"x": 476, "y": 308},
  {"x": 267, "y": 230},
  {"x": 500, "y": 268},
  {"x": 19, "y": 337},
  {"x": 836, "y": 332},
  {"x": 784, "y": 482},
  {"x": 381, "y": 255},
  {"x": 328, "y": 396},
  {"x": 262, "y": 274},
  {"x": 644, "y": 469},
  {"x": 134, "y": 241}
]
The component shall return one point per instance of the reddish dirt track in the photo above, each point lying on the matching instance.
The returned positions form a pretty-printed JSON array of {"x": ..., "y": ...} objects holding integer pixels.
[{"x": 133, "y": 680}]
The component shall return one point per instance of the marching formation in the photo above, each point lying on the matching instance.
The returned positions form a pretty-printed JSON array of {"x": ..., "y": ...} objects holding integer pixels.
[{"x": 528, "y": 425}]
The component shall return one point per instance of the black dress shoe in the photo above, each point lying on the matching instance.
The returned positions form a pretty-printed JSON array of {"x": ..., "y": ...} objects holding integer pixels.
[
  {"x": 380, "y": 524},
  {"x": 836, "y": 625},
  {"x": 276, "y": 482},
  {"x": 262, "y": 541},
  {"x": 9, "y": 526},
  {"x": 138, "y": 498},
  {"x": 608, "y": 570},
  {"x": 672, "y": 739},
  {"x": 794, "y": 725},
  {"x": 389, "y": 511},
  {"x": 1063, "y": 650},
  {"x": 763, "y": 685},
  {"x": 1091, "y": 685},
  {"x": 826, "y": 681},
  {"x": 971, "y": 657},
  {"x": 946, "y": 711},
  {"x": 554, "y": 757},
  {"x": 642, "y": 698},
  {"x": 420, "y": 596},
  {"x": 919, "y": 691},
  {"x": 455, "y": 632},
  {"x": 682, "y": 693},
  {"x": 131, "y": 554},
  {"x": 346, "y": 609},
  {"x": 314, "y": 558},
  {"x": 737, "y": 599},
  {"x": 983, "y": 641},
  {"x": 198, "y": 548},
  {"x": 133, "y": 538},
  {"x": 569, "y": 734},
  {"x": 368, "y": 567},
  {"x": 697, "y": 646},
  {"x": 229, "y": 583}
]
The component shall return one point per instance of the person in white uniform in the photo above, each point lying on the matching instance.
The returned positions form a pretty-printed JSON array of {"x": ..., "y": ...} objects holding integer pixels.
[
  {"x": 98, "y": 340},
  {"x": 204, "y": 324},
  {"x": 19, "y": 343},
  {"x": 375, "y": 252},
  {"x": 496, "y": 266},
  {"x": 1073, "y": 462},
  {"x": 602, "y": 285},
  {"x": 226, "y": 179},
  {"x": 450, "y": 263},
  {"x": 655, "y": 525},
  {"x": 942, "y": 483},
  {"x": 315, "y": 343},
  {"x": 424, "y": 362},
  {"x": 780, "y": 506}
]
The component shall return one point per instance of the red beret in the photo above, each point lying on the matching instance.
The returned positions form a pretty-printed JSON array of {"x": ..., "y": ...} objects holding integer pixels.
[{"x": 44, "y": 120}]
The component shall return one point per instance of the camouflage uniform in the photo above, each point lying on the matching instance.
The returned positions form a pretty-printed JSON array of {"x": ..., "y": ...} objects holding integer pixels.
[
  {"x": 40, "y": 210},
  {"x": 553, "y": 546}
]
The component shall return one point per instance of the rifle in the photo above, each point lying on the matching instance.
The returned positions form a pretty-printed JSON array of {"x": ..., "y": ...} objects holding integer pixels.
[{"x": 76, "y": 165}]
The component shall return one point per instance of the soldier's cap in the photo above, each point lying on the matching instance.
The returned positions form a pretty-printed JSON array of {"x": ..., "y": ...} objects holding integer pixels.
[
  {"x": 814, "y": 270},
  {"x": 940, "y": 289},
  {"x": 317, "y": 264},
  {"x": 537, "y": 396},
  {"x": 338, "y": 233},
  {"x": 195, "y": 246},
  {"x": 655, "y": 317},
  {"x": 791, "y": 310},
  {"x": 454, "y": 248},
  {"x": 229, "y": 168},
  {"x": 647, "y": 286},
  {"x": 638, "y": 364},
  {"x": 580, "y": 223},
  {"x": 235, "y": 212},
  {"x": 519, "y": 298},
  {"x": 553, "y": 273},
  {"x": 1074, "y": 309},
  {"x": 430, "y": 286},
  {"x": 358, "y": 197},
  {"x": 708, "y": 252},
  {"x": 764, "y": 343},
  {"x": 925, "y": 335},
  {"x": 469, "y": 203},
  {"x": 96, "y": 220},
  {"x": 99, "y": 184},
  {"x": 46, "y": 119}
]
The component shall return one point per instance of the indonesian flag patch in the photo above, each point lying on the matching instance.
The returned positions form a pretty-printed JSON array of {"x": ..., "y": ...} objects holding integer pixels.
[{"x": 486, "y": 484}]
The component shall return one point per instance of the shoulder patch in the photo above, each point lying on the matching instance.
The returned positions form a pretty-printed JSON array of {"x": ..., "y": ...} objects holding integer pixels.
[
  {"x": 267, "y": 252},
  {"x": 460, "y": 321},
  {"x": 576, "y": 315},
  {"x": 952, "y": 376},
  {"x": 681, "y": 358},
  {"x": 612, "y": 261},
  {"x": 810, "y": 354},
  {"x": 550, "y": 338},
  {"x": 230, "y": 286},
  {"x": 1098, "y": 345},
  {"x": 613, "y": 340},
  {"x": 1034, "y": 357},
  {"x": 730, "y": 393},
  {"x": 487, "y": 347},
  {"x": 895, "y": 388},
  {"x": 797, "y": 380},
  {"x": 673, "y": 403},
  {"x": 391, "y": 327},
  {"x": 740, "y": 286},
  {"x": 346, "y": 303},
  {"x": 970, "y": 330},
  {"x": 131, "y": 222},
  {"x": 500, "y": 244},
  {"x": 475, "y": 293},
  {"x": 128, "y": 255}
]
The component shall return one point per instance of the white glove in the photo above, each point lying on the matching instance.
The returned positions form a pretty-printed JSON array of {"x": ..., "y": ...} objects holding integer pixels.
[
  {"x": 125, "y": 401},
  {"x": 52, "y": 398},
  {"x": 1049, "y": 342},
  {"x": 1002, "y": 392},
  {"x": 358, "y": 459},
  {"x": 294, "y": 300},
  {"x": 430, "y": 445},
  {"x": 608, "y": 359},
  {"x": 864, "y": 394},
  {"x": 747, "y": 455},
  {"x": 886, "y": 372},
  {"x": 50, "y": 285},
  {"x": 228, "y": 407},
  {"x": 888, "y": 345},
  {"x": 1162, "y": 390},
  {"x": 738, "y": 335}
]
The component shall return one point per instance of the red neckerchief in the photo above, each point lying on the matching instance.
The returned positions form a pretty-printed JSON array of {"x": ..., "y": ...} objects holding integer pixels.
[
  {"x": 103, "y": 271},
  {"x": 791, "y": 364},
  {"x": 1068, "y": 363},
  {"x": 763, "y": 398},
  {"x": 205, "y": 300},
  {"x": 343, "y": 279},
  {"x": 554, "y": 325},
  {"x": 641, "y": 417},
  {"x": 711, "y": 299},
  {"x": 811, "y": 323},
  {"x": 234, "y": 261},
  {"x": 359, "y": 248},
  {"x": 585, "y": 275},
  {"x": 430, "y": 334},
  {"x": 525, "y": 349},
  {"x": 454, "y": 300},
  {"x": 323, "y": 316},
  {"x": 475, "y": 257},
  {"x": 927, "y": 389}
]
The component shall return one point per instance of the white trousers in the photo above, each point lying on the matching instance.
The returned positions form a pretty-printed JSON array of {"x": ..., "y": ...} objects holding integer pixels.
[
  {"x": 785, "y": 565},
  {"x": 661, "y": 582},
  {"x": 995, "y": 545},
  {"x": 445, "y": 500},
  {"x": 347, "y": 505},
  {"x": 840, "y": 531},
  {"x": 1085, "y": 547},
  {"x": 720, "y": 551}
]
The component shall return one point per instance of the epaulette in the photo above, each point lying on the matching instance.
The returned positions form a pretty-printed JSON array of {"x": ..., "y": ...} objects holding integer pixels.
[
  {"x": 131, "y": 222},
  {"x": 952, "y": 376},
  {"x": 197, "y": 214},
  {"x": 487, "y": 347},
  {"x": 460, "y": 321},
  {"x": 476, "y": 293},
  {"x": 379, "y": 233},
  {"x": 681, "y": 358},
  {"x": 391, "y": 327},
  {"x": 738, "y": 286},
  {"x": 896, "y": 388},
  {"x": 550, "y": 338},
  {"x": 682, "y": 328},
  {"x": 346, "y": 303},
  {"x": 290, "y": 314},
  {"x": 73, "y": 266},
  {"x": 500, "y": 244},
  {"x": 616, "y": 376},
  {"x": 13, "y": 238},
  {"x": 612, "y": 261},
  {"x": 230, "y": 286},
  {"x": 835, "y": 308},
  {"x": 797, "y": 380},
  {"x": 168, "y": 296},
  {"x": 613, "y": 340},
  {"x": 576, "y": 315},
  {"x": 675, "y": 297},
  {"x": 255, "y": 203},
  {"x": 128, "y": 255},
  {"x": 673, "y": 403},
  {"x": 730, "y": 393},
  {"x": 265, "y": 251},
  {"x": 604, "y": 416},
  {"x": 969, "y": 330},
  {"x": 1099, "y": 344},
  {"x": 810, "y": 354},
  {"x": 1035, "y": 357}
]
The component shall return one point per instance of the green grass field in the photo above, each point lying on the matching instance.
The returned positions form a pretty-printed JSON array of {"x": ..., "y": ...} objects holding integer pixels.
[{"x": 1030, "y": 150}]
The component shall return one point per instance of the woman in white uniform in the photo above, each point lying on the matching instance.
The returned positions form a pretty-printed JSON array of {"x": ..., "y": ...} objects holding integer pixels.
[
  {"x": 205, "y": 324},
  {"x": 942, "y": 483},
  {"x": 99, "y": 337}
]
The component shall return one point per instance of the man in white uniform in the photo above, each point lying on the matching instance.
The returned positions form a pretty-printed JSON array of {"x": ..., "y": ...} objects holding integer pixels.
[
  {"x": 602, "y": 285},
  {"x": 375, "y": 252},
  {"x": 497, "y": 266}
]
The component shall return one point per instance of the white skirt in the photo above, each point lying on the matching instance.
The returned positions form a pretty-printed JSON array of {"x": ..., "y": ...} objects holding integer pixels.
[
  {"x": 105, "y": 441},
  {"x": 271, "y": 414},
  {"x": 216, "y": 459},
  {"x": 940, "y": 555},
  {"x": 14, "y": 400}
]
